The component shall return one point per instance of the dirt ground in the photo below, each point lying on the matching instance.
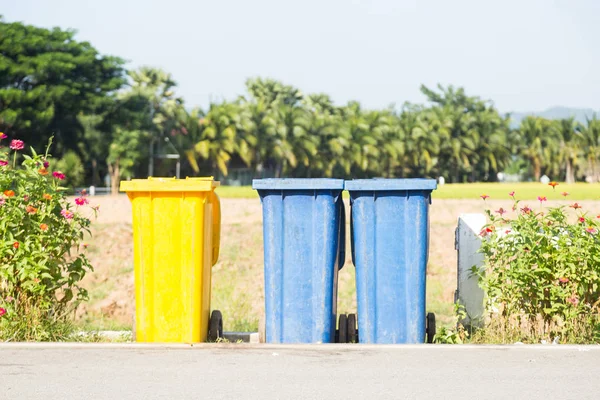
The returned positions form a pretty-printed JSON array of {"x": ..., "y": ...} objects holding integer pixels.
[{"x": 238, "y": 277}]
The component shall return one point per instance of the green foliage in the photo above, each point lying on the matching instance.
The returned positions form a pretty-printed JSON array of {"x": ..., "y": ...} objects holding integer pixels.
[
  {"x": 47, "y": 79},
  {"x": 72, "y": 167},
  {"x": 542, "y": 275},
  {"x": 41, "y": 258}
]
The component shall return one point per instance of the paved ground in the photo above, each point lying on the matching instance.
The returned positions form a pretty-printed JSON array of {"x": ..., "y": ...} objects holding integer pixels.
[{"x": 246, "y": 371}]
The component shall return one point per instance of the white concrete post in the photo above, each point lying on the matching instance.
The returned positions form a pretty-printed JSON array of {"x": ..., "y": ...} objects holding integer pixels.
[{"x": 468, "y": 243}]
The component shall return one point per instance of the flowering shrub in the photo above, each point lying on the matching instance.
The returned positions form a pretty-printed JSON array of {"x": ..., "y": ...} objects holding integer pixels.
[
  {"x": 41, "y": 264},
  {"x": 542, "y": 272}
]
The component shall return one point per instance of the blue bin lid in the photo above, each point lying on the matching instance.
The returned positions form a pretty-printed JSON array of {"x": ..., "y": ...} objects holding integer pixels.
[
  {"x": 390, "y": 184},
  {"x": 297, "y": 183}
]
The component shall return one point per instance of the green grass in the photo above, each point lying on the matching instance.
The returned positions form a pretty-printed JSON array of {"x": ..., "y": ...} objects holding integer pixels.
[{"x": 525, "y": 191}]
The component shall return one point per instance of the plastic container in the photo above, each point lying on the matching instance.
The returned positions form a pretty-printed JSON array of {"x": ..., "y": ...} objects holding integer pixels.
[
  {"x": 390, "y": 240},
  {"x": 304, "y": 239},
  {"x": 176, "y": 230}
]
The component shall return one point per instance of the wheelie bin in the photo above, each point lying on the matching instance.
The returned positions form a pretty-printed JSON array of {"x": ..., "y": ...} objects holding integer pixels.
[
  {"x": 176, "y": 231},
  {"x": 390, "y": 240},
  {"x": 304, "y": 239}
]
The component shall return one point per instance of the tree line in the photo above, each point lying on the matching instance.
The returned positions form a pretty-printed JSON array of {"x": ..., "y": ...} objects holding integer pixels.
[{"x": 106, "y": 120}]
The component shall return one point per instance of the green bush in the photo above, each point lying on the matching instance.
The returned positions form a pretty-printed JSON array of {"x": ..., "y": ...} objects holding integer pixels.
[
  {"x": 42, "y": 258},
  {"x": 542, "y": 274}
]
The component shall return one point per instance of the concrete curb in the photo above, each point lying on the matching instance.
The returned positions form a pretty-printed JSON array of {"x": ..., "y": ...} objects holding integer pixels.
[{"x": 304, "y": 347}]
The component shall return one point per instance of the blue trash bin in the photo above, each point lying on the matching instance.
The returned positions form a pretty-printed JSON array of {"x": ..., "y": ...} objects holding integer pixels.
[
  {"x": 390, "y": 240},
  {"x": 304, "y": 238}
]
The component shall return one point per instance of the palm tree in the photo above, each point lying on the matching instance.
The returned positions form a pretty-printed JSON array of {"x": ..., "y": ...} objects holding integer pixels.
[
  {"x": 591, "y": 148},
  {"x": 537, "y": 140},
  {"x": 569, "y": 134}
]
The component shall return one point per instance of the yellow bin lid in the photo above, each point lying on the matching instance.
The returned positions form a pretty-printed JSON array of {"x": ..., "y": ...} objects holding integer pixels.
[{"x": 152, "y": 184}]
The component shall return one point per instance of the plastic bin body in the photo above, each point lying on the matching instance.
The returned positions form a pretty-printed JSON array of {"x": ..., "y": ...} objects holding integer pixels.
[
  {"x": 176, "y": 228},
  {"x": 390, "y": 238},
  {"x": 304, "y": 239}
]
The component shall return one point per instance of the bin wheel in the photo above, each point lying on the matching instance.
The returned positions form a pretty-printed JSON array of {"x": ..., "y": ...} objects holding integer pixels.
[
  {"x": 343, "y": 329},
  {"x": 430, "y": 327},
  {"x": 215, "y": 326},
  {"x": 352, "y": 336}
]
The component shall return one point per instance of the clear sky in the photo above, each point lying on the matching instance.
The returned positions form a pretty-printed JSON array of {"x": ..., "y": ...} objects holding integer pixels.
[{"x": 526, "y": 55}]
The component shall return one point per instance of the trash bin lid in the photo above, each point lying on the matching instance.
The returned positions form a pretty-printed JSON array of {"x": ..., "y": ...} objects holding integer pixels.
[
  {"x": 152, "y": 184},
  {"x": 298, "y": 183},
  {"x": 390, "y": 184}
]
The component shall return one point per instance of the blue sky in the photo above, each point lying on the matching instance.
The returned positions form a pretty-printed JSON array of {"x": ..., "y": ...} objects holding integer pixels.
[{"x": 525, "y": 55}]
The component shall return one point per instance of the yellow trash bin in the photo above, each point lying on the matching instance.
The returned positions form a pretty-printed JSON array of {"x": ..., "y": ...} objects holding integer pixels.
[{"x": 176, "y": 231}]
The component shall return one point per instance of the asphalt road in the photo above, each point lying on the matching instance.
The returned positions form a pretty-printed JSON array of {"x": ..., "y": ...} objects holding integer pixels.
[{"x": 245, "y": 371}]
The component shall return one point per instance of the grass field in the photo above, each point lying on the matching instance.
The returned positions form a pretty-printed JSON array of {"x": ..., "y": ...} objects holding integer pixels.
[
  {"x": 525, "y": 191},
  {"x": 237, "y": 287}
]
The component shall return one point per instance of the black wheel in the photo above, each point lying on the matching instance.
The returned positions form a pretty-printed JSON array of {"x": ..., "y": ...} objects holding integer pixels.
[
  {"x": 215, "y": 326},
  {"x": 342, "y": 336},
  {"x": 352, "y": 336},
  {"x": 430, "y": 327}
]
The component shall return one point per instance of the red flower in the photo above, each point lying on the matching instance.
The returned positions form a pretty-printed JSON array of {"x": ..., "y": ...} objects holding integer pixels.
[
  {"x": 512, "y": 194},
  {"x": 575, "y": 206},
  {"x": 58, "y": 175},
  {"x": 3, "y": 163},
  {"x": 553, "y": 184},
  {"x": 563, "y": 280},
  {"x": 46, "y": 164},
  {"x": 16, "y": 245},
  {"x": 3, "y": 135},
  {"x": 565, "y": 194},
  {"x": 16, "y": 144},
  {"x": 81, "y": 201},
  {"x": 507, "y": 231},
  {"x": 542, "y": 198},
  {"x": 581, "y": 220},
  {"x": 484, "y": 196},
  {"x": 2, "y": 311},
  {"x": 486, "y": 231},
  {"x": 526, "y": 210}
]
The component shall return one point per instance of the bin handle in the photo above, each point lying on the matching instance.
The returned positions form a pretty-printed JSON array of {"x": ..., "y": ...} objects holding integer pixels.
[
  {"x": 352, "y": 234},
  {"x": 342, "y": 237},
  {"x": 216, "y": 226}
]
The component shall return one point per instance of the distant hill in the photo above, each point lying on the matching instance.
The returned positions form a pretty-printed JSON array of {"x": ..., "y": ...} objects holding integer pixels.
[{"x": 580, "y": 114}]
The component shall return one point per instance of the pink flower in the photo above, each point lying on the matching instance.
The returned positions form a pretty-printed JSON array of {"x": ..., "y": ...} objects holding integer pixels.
[
  {"x": 67, "y": 214},
  {"x": 2, "y": 311},
  {"x": 501, "y": 211},
  {"x": 484, "y": 196},
  {"x": 512, "y": 194},
  {"x": 486, "y": 231},
  {"x": 25, "y": 198},
  {"x": 46, "y": 164},
  {"x": 9, "y": 299},
  {"x": 542, "y": 198},
  {"x": 581, "y": 220},
  {"x": 3, "y": 163},
  {"x": 573, "y": 300},
  {"x": 81, "y": 201},
  {"x": 58, "y": 175},
  {"x": 591, "y": 229},
  {"x": 3, "y": 135},
  {"x": 563, "y": 280},
  {"x": 2, "y": 201},
  {"x": 16, "y": 144}
]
